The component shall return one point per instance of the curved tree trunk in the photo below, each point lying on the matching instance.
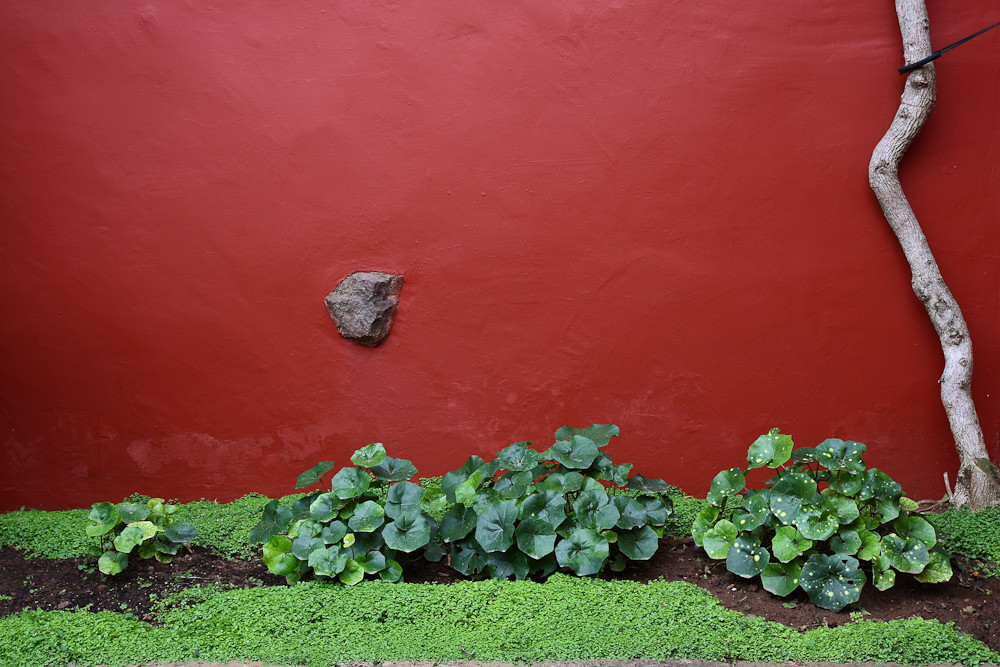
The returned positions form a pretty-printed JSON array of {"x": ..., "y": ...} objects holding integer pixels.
[{"x": 972, "y": 486}]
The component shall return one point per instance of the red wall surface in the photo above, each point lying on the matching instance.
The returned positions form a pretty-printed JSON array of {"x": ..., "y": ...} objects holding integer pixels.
[{"x": 652, "y": 213}]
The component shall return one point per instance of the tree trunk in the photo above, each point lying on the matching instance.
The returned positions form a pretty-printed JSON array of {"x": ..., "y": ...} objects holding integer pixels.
[{"x": 972, "y": 486}]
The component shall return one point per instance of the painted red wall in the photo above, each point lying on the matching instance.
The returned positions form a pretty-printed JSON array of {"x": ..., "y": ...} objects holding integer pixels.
[{"x": 652, "y": 213}]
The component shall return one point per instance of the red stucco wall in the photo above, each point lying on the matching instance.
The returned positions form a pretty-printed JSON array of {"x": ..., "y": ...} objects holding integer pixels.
[{"x": 653, "y": 213}]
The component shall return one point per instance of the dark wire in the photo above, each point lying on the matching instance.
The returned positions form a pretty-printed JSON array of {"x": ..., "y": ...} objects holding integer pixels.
[{"x": 937, "y": 54}]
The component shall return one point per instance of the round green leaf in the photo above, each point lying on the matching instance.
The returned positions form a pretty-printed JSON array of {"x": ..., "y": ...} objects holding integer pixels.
[
  {"x": 600, "y": 434},
  {"x": 518, "y": 457},
  {"x": 644, "y": 484},
  {"x": 725, "y": 484},
  {"x": 181, "y": 533},
  {"x": 457, "y": 522},
  {"x": 359, "y": 543},
  {"x": 326, "y": 506},
  {"x": 394, "y": 470},
  {"x": 789, "y": 493},
  {"x": 871, "y": 545},
  {"x": 549, "y": 506},
  {"x": 937, "y": 570},
  {"x": 780, "y": 579},
  {"x": 452, "y": 479},
  {"x": 535, "y": 537},
  {"x": 846, "y": 509},
  {"x": 131, "y": 512},
  {"x": 577, "y": 453},
  {"x": 756, "y": 510},
  {"x": 915, "y": 526},
  {"x": 403, "y": 498},
  {"x": 703, "y": 522},
  {"x": 632, "y": 513},
  {"x": 333, "y": 532},
  {"x": 594, "y": 510},
  {"x": 618, "y": 474},
  {"x": 906, "y": 555},
  {"x": 495, "y": 527},
  {"x": 583, "y": 550},
  {"x": 304, "y": 545},
  {"x": 883, "y": 576},
  {"x": 836, "y": 454},
  {"x": 313, "y": 475},
  {"x": 513, "y": 484},
  {"x": 832, "y": 582},
  {"x": 369, "y": 456},
  {"x": 879, "y": 485},
  {"x": 393, "y": 571},
  {"x": 274, "y": 519},
  {"x": 845, "y": 483},
  {"x": 368, "y": 516},
  {"x": 278, "y": 557},
  {"x": 105, "y": 517},
  {"x": 352, "y": 573},
  {"x": 657, "y": 509},
  {"x": 350, "y": 483},
  {"x": 371, "y": 562},
  {"x": 746, "y": 559},
  {"x": 816, "y": 523},
  {"x": 407, "y": 533},
  {"x": 846, "y": 542},
  {"x": 467, "y": 559},
  {"x": 719, "y": 539},
  {"x": 789, "y": 544},
  {"x": 328, "y": 562},
  {"x": 112, "y": 562},
  {"x": 771, "y": 450},
  {"x": 130, "y": 536},
  {"x": 638, "y": 544}
]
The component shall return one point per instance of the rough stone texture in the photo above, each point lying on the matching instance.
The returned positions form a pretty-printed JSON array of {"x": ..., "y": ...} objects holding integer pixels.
[{"x": 363, "y": 306}]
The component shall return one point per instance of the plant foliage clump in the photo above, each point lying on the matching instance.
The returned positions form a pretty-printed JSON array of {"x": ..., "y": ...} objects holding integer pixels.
[
  {"x": 146, "y": 529},
  {"x": 816, "y": 521},
  {"x": 358, "y": 526},
  {"x": 529, "y": 513}
]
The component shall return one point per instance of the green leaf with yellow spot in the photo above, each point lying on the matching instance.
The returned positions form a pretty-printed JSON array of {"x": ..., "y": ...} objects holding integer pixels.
[
  {"x": 780, "y": 579},
  {"x": 719, "y": 539},
  {"x": 746, "y": 559},
  {"x": 771, "y": 449},
  {"x": 789, "y": 544},
  {"x": 726, "y": 484},
  {"x": 832, "y": 582}
]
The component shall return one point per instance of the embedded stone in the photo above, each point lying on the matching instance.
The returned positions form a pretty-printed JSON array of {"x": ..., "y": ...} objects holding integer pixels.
[{"x": 363, "y": 306}]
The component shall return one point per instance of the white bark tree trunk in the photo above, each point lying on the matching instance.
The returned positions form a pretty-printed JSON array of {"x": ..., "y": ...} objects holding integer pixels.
[{"x": 972, "y": 486}]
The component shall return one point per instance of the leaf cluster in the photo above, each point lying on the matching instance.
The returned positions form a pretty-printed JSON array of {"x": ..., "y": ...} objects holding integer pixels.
[
  {"x": 357, "y": 526},
  {"x": 815, "y": 522},
  {"x": 148, "y": 530},
  {"x": 528, "y": 512}
]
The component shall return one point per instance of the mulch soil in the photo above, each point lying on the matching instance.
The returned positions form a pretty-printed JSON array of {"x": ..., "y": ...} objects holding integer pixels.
[{"x": 970, "y": 600}]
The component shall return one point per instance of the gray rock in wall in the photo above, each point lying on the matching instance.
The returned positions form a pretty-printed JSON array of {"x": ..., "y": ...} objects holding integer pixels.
[{"x": 363, "y": 306}]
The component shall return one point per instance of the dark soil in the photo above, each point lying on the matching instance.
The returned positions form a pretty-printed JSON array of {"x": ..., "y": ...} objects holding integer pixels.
[{"x": 970, "y": 600}]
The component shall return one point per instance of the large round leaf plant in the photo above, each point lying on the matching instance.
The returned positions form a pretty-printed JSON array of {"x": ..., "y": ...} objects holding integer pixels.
[
  {"x": 358, "y": 525},
  {"x": 528, "y": 512},
  {"x": 822, "y": 523}
]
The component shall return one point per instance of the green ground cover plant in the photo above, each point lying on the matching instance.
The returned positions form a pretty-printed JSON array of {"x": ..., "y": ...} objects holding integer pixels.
[
  {"x": 147, "y": 530},
  {"x": 528, "y": 512},
  {"x": 566, "y": 618},
  {"x": 814, "y": 522}
]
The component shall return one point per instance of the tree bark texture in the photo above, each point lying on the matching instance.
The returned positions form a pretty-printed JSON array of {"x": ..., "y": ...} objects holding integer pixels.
[{"x": 972, "y": 486}]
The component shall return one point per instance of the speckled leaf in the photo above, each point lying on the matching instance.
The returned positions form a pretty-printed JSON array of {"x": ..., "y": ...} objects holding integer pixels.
[
  {"x": 746, "y": 559},
  {"x": 937, "y": 570},
  {"x": 719, "y": 539},
  {"x": 906, "y": 555},
  {"x": 725, "y": 484},
  {"x": 846, "y": 542},
  {"x": 832, "y": 582},
  {"x": 915, "y": 526},
  {"x": 771, "y": 449},
  {"x": 837, "y": 454},
  {"x": 756, "y": 510}
]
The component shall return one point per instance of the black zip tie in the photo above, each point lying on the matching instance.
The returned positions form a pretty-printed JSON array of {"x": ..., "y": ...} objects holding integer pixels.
[{"x": 937, "y": 54}]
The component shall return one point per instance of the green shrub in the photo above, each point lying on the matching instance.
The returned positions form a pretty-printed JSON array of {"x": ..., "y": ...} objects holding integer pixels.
[
  {"x": 795, "y": 534},
  {"x": 56, "y": 534},
  {"x": 528, "y": 512},
  {"x": 973, "y": 534},
  {"x": 147, "y": 529},
  {"x": 355, "y": 527}
]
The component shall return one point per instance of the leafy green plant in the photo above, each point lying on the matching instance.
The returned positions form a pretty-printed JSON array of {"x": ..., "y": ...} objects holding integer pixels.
[
  {"x": 528, "y": 512},
  {"x": 815, "y": 522},
  {"x": 358, "y": 526},
  {"x": 148, "y": 530}
]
